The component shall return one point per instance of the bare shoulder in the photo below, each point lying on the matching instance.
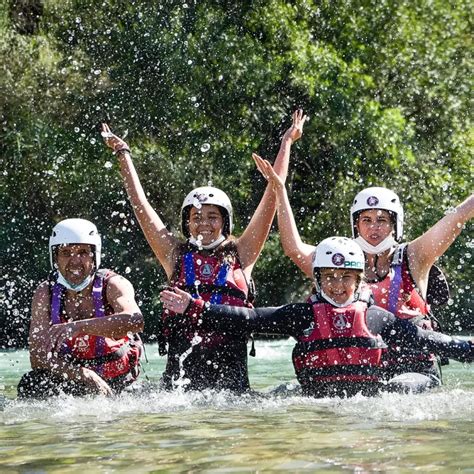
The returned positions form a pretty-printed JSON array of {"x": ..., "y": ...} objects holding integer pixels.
[
  {"x": 119, "y": 285},
  {"x": 42, "y": 293},
  {"x": 40, "y": 310},
  {"x": 121, "y": 295}
]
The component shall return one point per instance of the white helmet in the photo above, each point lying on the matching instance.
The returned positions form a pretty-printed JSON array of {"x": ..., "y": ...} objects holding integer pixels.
[
  {"x": 378, "y": 198},
  {"x": 75, "y": 231},
  {"x": 207, "y": 195},
  {"x": 338, "y": 252}
]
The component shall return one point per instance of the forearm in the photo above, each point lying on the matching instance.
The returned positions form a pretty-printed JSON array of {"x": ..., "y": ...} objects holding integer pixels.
[
  {"x": 132, "y": 182},
  {"x": 405, "y": 333},
  {"x": 293, "y": 246},
  {"x": 115, "y": 326},
  {"x": 288, "y": 319},
  {"x": 283, "y": 158},
  {"x": 265, "y": 211},
  {"x": 424, "y": 250}
]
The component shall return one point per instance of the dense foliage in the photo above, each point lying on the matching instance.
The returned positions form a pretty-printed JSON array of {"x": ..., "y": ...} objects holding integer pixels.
[{"x": 196, "y": 87}]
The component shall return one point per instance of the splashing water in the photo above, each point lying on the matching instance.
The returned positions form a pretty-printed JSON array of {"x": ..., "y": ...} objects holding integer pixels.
[{"x": 181, "y": 382}]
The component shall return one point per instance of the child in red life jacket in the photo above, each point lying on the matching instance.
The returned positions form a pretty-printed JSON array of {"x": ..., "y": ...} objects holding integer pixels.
[
  {"x": 398, "y": 275},
  {"x": 340, "y": 335},
  {"x": 83, "y": 321}
]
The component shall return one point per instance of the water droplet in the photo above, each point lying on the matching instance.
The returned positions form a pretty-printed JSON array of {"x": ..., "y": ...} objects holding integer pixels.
[
  {"x": 92, "y": 141},
  {"x": 205, "y": 147},
  {"x": 108, "y": 165},
  {"x": 128, "y": 270},
  {"x": 77, "y": 129}
]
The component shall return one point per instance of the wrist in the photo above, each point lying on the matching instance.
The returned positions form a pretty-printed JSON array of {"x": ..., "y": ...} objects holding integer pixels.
[{"x": 122, "y": 150}]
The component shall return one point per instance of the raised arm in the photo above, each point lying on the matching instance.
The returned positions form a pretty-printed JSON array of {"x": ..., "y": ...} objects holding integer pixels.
[
  {"x": 293, "y": 246},
  {"x": 251, "y": 242},
  {"x": 160, "y": 240},
  {"x": 423, "y": 251}
]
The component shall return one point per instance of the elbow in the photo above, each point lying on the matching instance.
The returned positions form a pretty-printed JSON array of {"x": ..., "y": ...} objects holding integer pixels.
[
  {"x": 138, "y": 322},
  {"x": 294, "y": 254}
]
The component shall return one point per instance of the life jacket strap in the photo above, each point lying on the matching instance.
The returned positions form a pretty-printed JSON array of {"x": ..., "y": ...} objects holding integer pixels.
[{"x": 341, "y": 342}]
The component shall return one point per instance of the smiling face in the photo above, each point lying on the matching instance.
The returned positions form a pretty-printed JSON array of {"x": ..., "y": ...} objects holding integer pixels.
[
  {"x": 374, "y": 225},
  {"x": 75, "y": 262},
  {"x": 206, "y": 222},
  {"x": 339, "y": 284}
]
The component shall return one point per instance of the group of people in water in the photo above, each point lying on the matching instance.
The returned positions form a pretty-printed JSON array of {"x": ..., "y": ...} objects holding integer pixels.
[{"x": 366, "y": 326}]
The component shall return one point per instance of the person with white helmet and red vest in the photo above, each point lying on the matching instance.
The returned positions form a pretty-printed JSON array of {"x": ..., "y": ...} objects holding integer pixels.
[
  {"x": 84, "y": 320},
  {"x": 340, "y": 335},
  {"x": 211, "y": 263},
  {"x": 396, "y": 274}
]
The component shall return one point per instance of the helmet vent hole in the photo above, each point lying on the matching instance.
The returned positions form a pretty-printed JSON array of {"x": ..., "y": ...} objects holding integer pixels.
[
  {"x": 394, "y": 200},
  {"x": 328, "y": 252},
  {"x": 211, "y": 195}
]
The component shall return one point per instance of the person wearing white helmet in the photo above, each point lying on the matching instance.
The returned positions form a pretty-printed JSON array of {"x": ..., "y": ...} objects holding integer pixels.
[
  {"x": 210, "y": 263},
  {"x": 340, "y": 335},
  {"x": 82, "y": 321},
  {"x": 377, "y": 216},
  {"x": 402, "y": 276}
]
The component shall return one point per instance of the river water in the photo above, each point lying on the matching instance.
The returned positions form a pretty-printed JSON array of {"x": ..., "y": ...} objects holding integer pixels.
[{"x": 218, "y": 432}]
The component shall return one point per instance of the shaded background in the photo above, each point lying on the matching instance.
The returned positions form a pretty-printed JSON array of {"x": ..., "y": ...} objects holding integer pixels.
[{"x": 196, "y": 87}]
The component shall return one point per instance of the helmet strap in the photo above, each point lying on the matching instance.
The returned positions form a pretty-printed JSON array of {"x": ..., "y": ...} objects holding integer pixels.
[
  {"x": 77, "y": 288},
  {"x": 386, "y": 244},
  {"x": 198, "y": 243},
  {"x": 338, "y": 305}
]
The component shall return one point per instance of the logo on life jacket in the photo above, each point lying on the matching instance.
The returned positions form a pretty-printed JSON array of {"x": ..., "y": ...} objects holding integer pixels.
[
  {"x": 82, "y": 344},
  {"x": 372, "y": 201},
  {"x": 340, "y": 322},
  {"x": 338, "y": 259},
  {"x": 206, "y": 270}
]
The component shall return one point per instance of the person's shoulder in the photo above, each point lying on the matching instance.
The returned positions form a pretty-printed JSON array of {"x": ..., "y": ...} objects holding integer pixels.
[
  {"x": 115, "y": 281},
  {"x": 43, "y": 289}
]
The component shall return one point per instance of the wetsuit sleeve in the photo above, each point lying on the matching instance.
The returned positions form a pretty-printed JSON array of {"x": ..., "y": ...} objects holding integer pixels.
[
  {"x": 404, "y": 333},
  {"x": 290, "y": 319}
]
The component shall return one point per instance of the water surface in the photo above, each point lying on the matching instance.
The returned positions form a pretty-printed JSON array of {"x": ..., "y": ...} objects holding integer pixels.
[{"x": 218, "y": 432}]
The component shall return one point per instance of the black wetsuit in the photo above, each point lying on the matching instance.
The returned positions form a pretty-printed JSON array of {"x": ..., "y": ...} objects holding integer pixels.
[{"x": 295, "y": 319}]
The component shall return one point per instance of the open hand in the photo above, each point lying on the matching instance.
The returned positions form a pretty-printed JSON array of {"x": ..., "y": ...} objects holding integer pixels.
[
  {"x": 296, "y": 130},
  {"x": 268, "y": 172},
  {"x": 175, "y": 300},
  {"x": 95, "y": 382},
  {"x": 111, "y": 140}
]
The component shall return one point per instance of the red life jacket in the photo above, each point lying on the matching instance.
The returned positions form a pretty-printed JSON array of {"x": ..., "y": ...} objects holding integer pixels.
[
  {"x": 398, "y": 294},
  {"x": 109, "y": 358},
  {"x": 340, "y": 347},
  {"x": 216, "y": 279}
]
